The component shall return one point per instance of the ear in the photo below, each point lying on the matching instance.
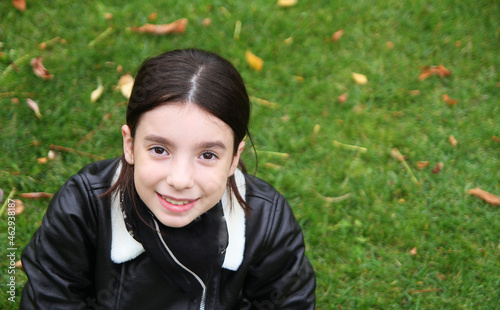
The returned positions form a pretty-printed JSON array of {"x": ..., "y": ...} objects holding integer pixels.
[
  {"x": 128, "y": 144},
  {"x": 236, "y": 158}
]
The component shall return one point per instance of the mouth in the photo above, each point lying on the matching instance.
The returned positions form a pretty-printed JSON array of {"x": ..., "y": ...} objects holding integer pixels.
[{"x": 176, "y": 205}]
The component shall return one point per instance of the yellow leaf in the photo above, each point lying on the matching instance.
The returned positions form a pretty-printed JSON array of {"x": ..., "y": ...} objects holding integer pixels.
[
  {"x": 254, "y": 61},
  {"x": 359, "y": 78},
  {"x": 125, "y": 85},
  {"x": 96, "y": 93},
  {"x": 287, "y": 3}
]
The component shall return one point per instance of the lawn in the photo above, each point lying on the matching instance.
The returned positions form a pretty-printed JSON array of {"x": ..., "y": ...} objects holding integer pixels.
[{"x": 377, "y": 171}]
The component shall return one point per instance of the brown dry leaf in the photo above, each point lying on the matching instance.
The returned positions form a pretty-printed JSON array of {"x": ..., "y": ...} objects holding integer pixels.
[
  {"x": 178, "y": 26},
  {"x": 42, "y": 160},
  {"x": 39, "y": 69},
  {"x": 486, "y": 196},
  {"x": 207, "y": 22},
  {"x": 152, "y": 17},
  {"x": 438, "y": 167},
  {"x": 441, "y": 276},
  {"x": 390, "y": 45},
  {"x": 337, "y": 35},
  {"x": 34, "y": 106},
  {"x": 452, "y": 140},
  {"x": 422, "y": 164},
  {"x": 413, "y": 251},
  {"x": 125, "y": 84},
  {"x": 342, "y": 98},
  {"x": 428, "y": 71},
  {"x": 287, "y": 3},
  {"x": 359, "y": 78},
  {"x": 19, "y": 206},
  {"x": 19, "y": 264},
  {"x": 108, "y": 16},
  {"x": 415, "y": 92},
  {"x": 449, "y": 100},
  {"x": 36, "y": 195},
  {"x": 254, "y": 61},
  {"x": 496, "y": 139},
  {"x": 19, "y": 4}
]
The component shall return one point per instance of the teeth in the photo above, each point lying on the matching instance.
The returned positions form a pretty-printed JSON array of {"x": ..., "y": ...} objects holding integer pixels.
[{"x": 176, "y": 202}]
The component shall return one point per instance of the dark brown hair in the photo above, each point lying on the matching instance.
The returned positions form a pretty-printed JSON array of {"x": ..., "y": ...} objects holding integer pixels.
[{"x": 188, "y": 76}]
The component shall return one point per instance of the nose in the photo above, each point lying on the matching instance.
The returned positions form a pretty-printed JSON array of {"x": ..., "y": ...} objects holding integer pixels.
[{"x": 180, "y": 174}]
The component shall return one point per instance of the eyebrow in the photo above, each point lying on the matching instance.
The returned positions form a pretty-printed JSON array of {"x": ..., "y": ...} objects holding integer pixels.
[{"x": 203, "y": 145}]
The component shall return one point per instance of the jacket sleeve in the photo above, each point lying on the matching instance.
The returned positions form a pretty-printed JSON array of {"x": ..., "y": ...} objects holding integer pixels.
[
  {"x": 59, "y": 259},
  {"x": 282, "y": 276}
]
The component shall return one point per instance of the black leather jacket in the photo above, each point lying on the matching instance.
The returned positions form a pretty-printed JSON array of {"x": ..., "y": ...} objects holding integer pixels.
[{"x": 69, "y": 266}]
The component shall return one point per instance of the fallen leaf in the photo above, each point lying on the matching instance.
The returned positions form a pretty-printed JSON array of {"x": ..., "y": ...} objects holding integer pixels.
[
  {"x": 289, "y": 40},
  {"x": 108, "y": 16},
  {"x": 390, "y": 45},
  {"x": 19, "y": 206},
  {"x": 438, "y": 167},
  {"x": 42, "y": 160},
  {"x": 359, "y": 78},
  {"x": 422, "y": 164},
  {"x": 39, "y": 69},
  {"x": 342, "y": 98},
  {"x": 265, "y": 103},
  {"x": 19, "y": 264},
  {"x": 316, "y": 129},
  {"x": 19, "y": 4},
  {"x": 287, "y": 3},
  {"x": 207, "y": 22},
  {"x": 337, "y": 35},
  {"x": 496, "y": 139},
  {"x": 415, "y": 92},
  {"x": 452, "y": 140},
  {"x": 51, "y": 155},
  {"x": 449, "y": 101},
  {"x": 486, "y": 196},
  {"x": 125, "y": 84},
  {"x": 35, "y": 195},
  {"x": 96, "y": 93},
  {"x": 254, "y": 61},
  {"x": 152, "y": 17},
  {"x": 34, "y": 106},
  {"x": 428, "y": 71},
  {"x": 413, "y": 251},
  {"x": 441, "y": 276},
  {"x": 178, "y": 26}
]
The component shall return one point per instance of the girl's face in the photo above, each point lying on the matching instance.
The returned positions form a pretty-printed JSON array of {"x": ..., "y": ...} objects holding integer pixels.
[{"x": 182, "y": 159}]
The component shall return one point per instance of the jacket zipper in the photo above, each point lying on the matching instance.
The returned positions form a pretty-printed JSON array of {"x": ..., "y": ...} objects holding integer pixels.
[{"x": 204, "y": 293}]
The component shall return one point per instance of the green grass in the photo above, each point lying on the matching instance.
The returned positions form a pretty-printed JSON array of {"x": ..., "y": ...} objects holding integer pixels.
[{"x": 359, "y": 246}]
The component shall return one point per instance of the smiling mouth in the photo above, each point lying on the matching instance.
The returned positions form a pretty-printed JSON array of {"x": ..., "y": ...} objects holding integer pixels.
[{"x": 176, "y": 202}]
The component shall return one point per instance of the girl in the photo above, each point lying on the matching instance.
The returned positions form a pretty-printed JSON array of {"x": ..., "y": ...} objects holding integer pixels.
[{"x": 172, "y": 224}]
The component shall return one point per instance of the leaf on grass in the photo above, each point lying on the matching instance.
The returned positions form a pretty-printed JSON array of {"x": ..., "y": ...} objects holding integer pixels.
[
  {"x": 359, "y": 78},
  {"x": 152, "y": 16},
  {"x": 178, "y": 26},
  {"x": 342, "y": 98},
  {"x": 486, "y": 196},
  {"x": 449, "y": 100},
  {"x": 389, "y": 45},
  {"x": 452, "y": 140},
  {"x": 19, "y": 265},
  {"x": 316, "y": 129},
  {"x": 337, "y": 35},
  {"x": 19, "y": 4},
  {"x": 265, "y": 103},
  {"x": 34, "y": 106},
  {"x": 125, "y": 84},
  {"x": 428, "y": 71},
  {"x": 438, "y": 167},
  {"x": 36, "y": 195},
  {"x": 19, "y": 206},
  {"x": 96, "y": 93},
  {"x": 40, "y": 69},
  {"x": 254, "y": 61},
  {"x": 287, "y": 3},
  {"x": 496, "y": 139},
  {"x": 413, "y": 251},
  {"x": 42, "y": 160},
  {"x": 422, "y": 164}
]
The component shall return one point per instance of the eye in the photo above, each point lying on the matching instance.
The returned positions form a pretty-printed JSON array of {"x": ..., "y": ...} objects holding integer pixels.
[
  {"x": 158, "y": 150},
  {"x": 208, "y": 156}
]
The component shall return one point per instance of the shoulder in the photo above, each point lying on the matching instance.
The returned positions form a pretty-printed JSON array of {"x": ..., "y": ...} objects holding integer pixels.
[{"x": 98, "y": 174}]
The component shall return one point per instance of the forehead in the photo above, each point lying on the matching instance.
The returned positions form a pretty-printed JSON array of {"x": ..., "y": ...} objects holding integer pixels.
[{"x": 184, "y": 121}]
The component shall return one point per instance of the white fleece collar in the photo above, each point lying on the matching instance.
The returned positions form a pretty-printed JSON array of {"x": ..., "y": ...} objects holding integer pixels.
[{"x": 125, "y": 248}]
